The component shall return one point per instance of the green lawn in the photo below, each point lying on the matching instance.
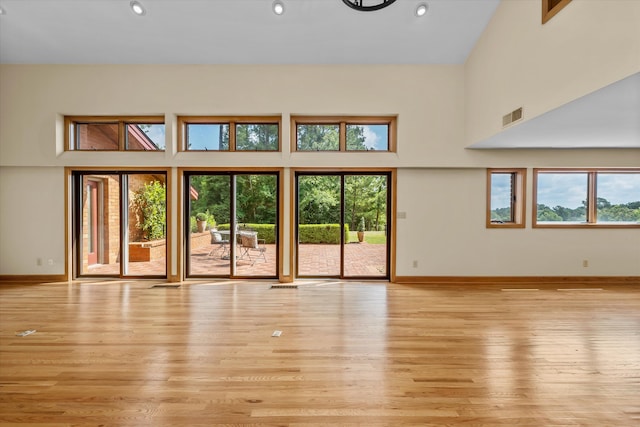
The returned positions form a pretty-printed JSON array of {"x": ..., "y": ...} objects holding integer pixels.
[{"x": 371, "y": 237}]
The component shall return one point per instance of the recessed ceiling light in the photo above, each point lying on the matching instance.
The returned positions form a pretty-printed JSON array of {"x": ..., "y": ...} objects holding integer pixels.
[
  {"x": 137, "y": 8},
  {"x": 421, "y": 9},
  {"x": 278, "y": 7}
]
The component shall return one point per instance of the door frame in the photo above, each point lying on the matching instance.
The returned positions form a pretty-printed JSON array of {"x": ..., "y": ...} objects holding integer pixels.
[
  {"x": 94, "y": 200},
  {"x": 183, "y": 219},
  {"x": 391, "y": 217},
  {"x": 75, "y": 175}
]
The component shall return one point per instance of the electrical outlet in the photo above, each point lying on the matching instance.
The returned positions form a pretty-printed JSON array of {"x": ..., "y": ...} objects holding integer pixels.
[
  {"x": 415, "y": 263},
  {"x": 50, "y": 261},
  {"x": 38, "y": 262},
  {"x": 585, "y": 263}
]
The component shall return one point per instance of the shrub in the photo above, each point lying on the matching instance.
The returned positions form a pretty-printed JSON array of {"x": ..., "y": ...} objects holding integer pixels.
[
  {"x": 308, "y": 233},
  {"x": 150, "y": 204},
  {"x": 322, "y": 233},
  {"x": 361, "y": 225},
  {"x": 265, "y": 231}
]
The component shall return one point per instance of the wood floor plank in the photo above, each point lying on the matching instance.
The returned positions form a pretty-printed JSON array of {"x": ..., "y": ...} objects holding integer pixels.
[{"x": 375, "y": 354}]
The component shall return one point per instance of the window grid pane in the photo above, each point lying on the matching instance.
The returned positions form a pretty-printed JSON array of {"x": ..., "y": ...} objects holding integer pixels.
[
  {"x": 618, "y": 198},
  {"x": 502, "y": 197},
  {"x": 207, "y": 137},
  {"x": 562, "y": 197},
  {"x": 318, "y": 137},
  {"x": 367, "y": 137},
  {"x": 97, "y": 136},
  {"x": 257, "y": 137},
  {"x": 145, "y": 137}
]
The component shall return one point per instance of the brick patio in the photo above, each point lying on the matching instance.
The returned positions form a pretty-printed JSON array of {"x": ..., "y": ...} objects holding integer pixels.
[{"x": 361, "y": 260}]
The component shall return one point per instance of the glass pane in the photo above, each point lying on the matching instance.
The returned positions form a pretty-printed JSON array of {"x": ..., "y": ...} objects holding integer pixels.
[
  {"x": 368, "y": 137},
  {"x": 318, "y": 225},
  {"x": 318, "y": 137},
  {"x": 365, "y": 212},
  {"x": 256, "y": 216},
  {"x": 209, "y": 217},
  {"x": 146, "y": 225},
  {"x": 618, "y": 197},
  {"x": 207, "y": 136},
  {"x": 146, "y": 137},
  {"x": 562, "y": 197},
  {"x": 97, "y": 136},
  {"x": 501, "y": 197},
  {"x": 257, "y": 137},
  {"x": 99, "y": 245}
]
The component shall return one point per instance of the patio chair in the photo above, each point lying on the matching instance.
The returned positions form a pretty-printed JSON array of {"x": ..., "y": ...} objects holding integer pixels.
[
  {"x": 219, "y": 244},
  {"x": 250, "y": 244}
]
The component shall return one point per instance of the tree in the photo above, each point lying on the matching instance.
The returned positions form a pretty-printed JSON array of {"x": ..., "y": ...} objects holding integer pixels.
[
  {"x": 151, "y": 212},
  {"x": 318, "y": 199},
  {"x": 545, "y": 213},
  {"x": 365, "y": 196},
  {"x": 355, "y": 137},
  {"x": 318, "y": 137},
  {"x": 256, "y": 137}
]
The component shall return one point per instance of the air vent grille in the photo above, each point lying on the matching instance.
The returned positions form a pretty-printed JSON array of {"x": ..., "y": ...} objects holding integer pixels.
[{"x": 513, "y": 116}]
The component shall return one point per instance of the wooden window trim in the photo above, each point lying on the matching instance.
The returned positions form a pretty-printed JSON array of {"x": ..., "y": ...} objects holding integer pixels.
[
  {"x": 549, "y": 9},
  {"x": 232, "y": 121},
  {"x": 518, "y": 204},
  {"x": 343, "y": 122},
  {"x": 70, "y": 123},
  {"x": 592, "y": 174}
]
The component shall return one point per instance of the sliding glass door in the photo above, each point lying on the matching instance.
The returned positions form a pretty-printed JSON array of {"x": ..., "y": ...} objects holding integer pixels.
[
  {"x": 342, "y": 225},
  {"x": 120, "y": 224},
  {"x": 232, "y": 224},
  {"x": 319, "y": 225},
  {"x": 366, "y": 246}
]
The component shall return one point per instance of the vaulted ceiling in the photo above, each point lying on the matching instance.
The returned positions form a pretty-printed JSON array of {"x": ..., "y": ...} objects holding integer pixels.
[
  {"x": 308, "y": 32},
  {"x": 239, "y": 32}
]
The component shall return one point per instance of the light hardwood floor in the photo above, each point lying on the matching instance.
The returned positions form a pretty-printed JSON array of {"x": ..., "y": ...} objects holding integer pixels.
[{"x": 119, "y": 353}]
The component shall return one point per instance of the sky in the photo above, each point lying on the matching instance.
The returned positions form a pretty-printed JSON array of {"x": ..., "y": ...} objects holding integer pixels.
[
  {"x": 204, "y": 136},
  {"x": 376, "y": 137},
  {"x": 570, "y": 189},
  {"x": 156, "y": 134}
]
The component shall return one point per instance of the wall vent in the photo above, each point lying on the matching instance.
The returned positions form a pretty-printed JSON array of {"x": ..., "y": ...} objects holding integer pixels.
[{"x": 513, "y": 116}]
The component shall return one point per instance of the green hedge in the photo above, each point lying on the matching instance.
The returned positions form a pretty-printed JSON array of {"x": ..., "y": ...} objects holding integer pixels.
[
  {"x": 308, "y": 233},
  {"x": 322, "y": 233},
  {"x": 265, "y": 231}
]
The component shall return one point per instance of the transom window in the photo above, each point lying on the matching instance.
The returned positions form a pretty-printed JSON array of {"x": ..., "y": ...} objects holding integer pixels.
[
  {"x": 316, "y": 133},
  {"x": 590, "y": 197},
  {"x": 207, "y": 133},
  {"x": 114, "y": 133}
]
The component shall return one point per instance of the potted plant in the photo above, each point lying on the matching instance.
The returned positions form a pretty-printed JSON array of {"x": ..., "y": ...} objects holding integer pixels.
[
  {"x": 201, "y": 220},
  {"x": 361, "y": 228}
]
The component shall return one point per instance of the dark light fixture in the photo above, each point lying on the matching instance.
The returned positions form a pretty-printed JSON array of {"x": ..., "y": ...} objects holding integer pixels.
[{"x": 370, "y": 5}]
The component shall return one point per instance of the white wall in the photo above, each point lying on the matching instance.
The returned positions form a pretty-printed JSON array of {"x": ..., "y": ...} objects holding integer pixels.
[
  {"x": 518, "y": 62},
  {"x": 444, "y": 231},
  {"x": 31, "y": 220},
  {"x": 429, "y": 101}
]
